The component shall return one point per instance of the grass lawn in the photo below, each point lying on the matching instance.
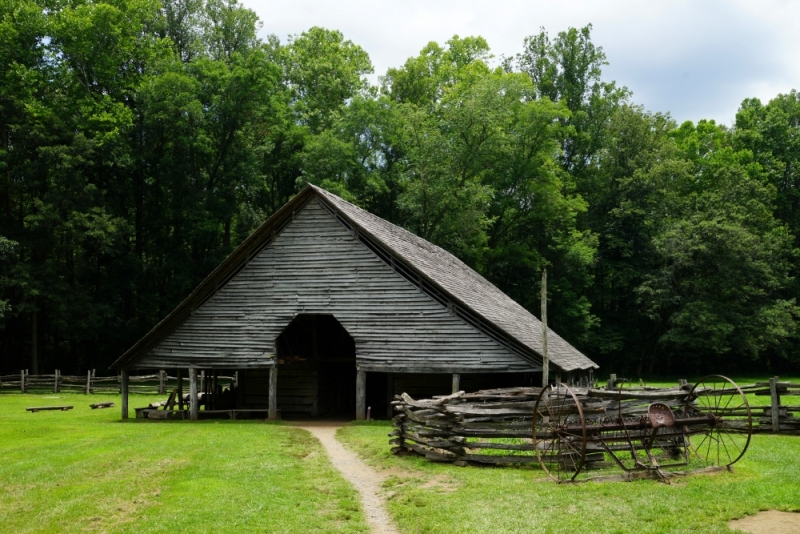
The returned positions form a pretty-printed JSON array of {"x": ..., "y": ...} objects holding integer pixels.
[
  {"x": 426, "y": 497},
  {"x": 85, "y": 470}
]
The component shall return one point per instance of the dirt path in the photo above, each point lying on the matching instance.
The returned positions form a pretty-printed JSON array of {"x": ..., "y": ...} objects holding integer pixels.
[
  {"x": 363, "y": 477},
  {"x": 769, "y": 522}
]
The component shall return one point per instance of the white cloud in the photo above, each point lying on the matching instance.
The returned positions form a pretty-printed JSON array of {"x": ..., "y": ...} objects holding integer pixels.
[{"x": 693, "y": 59}]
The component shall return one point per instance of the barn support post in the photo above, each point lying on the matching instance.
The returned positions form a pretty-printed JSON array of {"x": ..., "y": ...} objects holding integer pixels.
[
  {"x": 456, "y": 383},
  {"x": 88, "y": 381},
  {"x": 124, "y": 390},
  {"x": 273, "y": 393},
  {"x": 361, "y": 395},
  {"x": 194, "y": 404},
  {"x": 179, "y": 376}
]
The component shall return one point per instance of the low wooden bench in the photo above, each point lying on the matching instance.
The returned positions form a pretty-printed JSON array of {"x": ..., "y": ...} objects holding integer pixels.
[
  {"x": 97, "y": 405},
  {"x": 45, "y": 408}
]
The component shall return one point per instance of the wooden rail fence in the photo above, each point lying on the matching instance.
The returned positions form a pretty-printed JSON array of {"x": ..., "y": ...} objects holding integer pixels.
[
  {"x": 494, "y": 426},
  {"x": 159, "y": 383}
]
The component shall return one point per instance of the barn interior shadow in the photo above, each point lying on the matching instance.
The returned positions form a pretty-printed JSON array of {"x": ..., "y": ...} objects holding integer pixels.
[{"x": 316, "y": 369}]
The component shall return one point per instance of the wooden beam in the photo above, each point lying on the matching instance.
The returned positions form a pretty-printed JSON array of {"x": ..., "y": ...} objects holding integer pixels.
[
  {"x": 124, "y": 391},
  {"x": 456, "y": 383},
  {"x": 361, "y": 395},
  {"x": 194, "y": 404},
  {"x": 273, "y": 393},
  {"x": 445, "y": 370},
  {"x": 775, "y": 402}
]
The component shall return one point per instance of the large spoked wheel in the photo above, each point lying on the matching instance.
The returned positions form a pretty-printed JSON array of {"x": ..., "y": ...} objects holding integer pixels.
[
  {"x": 559, "y": 433},
  {"x": 725, "y": 439}
]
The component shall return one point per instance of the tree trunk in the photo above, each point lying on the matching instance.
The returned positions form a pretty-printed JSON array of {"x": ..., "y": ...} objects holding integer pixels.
[
  {"x": 34, "y": 342},
  {"x": 226, "y": 238}
]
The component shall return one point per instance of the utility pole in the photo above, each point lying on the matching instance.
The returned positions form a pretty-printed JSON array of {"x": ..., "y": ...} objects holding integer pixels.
[{"x": 545, "y": 356}]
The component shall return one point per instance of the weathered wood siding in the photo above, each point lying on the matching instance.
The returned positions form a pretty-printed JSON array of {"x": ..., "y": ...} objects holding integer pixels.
[{"x": 316, "y": 266}]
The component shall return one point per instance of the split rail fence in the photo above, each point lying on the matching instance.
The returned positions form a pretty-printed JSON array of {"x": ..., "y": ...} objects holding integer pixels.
[
  {"x": 160, "y": 383},
  {"x": 495, "y": 426}
]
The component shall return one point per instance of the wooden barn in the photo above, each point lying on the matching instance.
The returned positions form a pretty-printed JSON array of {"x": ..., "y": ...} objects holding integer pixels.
[{"x": 329, "y": 309}]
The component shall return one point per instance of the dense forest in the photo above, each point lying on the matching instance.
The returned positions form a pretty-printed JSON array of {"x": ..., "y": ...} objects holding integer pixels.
[{"x": 141, "y": 141}]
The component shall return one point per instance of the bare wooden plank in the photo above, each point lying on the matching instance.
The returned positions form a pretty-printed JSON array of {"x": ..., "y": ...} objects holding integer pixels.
[{"x": 48, "y": 408}]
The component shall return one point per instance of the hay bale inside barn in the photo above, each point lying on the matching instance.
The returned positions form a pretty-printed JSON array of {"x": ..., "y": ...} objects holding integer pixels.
[{"x": 329, "y": 309}]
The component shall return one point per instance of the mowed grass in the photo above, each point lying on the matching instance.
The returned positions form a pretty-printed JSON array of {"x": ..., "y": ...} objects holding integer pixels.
[
  {"x": 426, "y": 497},
  {"x": 87, "y": 471}
]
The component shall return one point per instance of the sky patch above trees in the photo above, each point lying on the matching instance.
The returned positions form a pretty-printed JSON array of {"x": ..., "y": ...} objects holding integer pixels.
[{"x": 696, "y": 60}]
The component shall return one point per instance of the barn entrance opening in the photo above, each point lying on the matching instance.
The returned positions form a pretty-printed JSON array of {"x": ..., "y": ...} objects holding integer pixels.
[{"x": 316, "y": 368}]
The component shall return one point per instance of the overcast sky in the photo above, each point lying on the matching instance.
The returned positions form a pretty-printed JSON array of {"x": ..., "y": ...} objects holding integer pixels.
[{"x": 694, "y": 59}]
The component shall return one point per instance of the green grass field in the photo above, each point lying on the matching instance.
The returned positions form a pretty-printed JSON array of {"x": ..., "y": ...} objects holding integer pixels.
[
  {"x": 86, "y": 471},
  {"x": 427, "y": 497}
]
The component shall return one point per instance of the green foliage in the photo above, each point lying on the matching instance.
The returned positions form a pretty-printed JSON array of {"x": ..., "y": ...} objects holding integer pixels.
[{"x": 140, "y": 142}]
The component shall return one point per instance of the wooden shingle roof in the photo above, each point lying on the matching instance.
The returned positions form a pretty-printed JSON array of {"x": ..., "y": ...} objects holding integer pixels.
[{"x": 463, "y": 284}]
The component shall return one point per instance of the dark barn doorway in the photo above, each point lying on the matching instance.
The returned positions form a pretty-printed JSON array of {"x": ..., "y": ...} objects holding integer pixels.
[{"x": 316, "y": 368}]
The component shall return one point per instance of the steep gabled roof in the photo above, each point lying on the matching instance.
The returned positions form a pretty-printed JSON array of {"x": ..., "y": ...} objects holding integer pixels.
[
  {"x": 432, "y": 268},
  {"x": 462, "y": 284}
]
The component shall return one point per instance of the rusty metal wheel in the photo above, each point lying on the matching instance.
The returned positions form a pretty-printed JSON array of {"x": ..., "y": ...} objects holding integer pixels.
[
  {"x": 725, "y": 439},
  {"x": 559, "y": 433}
]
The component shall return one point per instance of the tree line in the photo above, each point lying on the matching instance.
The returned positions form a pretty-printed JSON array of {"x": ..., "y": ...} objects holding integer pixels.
[{"x": 141, "y": 141}]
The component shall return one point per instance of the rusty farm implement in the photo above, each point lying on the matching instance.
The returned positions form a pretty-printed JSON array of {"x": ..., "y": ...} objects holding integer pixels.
[{"x": 575, "y": 436}]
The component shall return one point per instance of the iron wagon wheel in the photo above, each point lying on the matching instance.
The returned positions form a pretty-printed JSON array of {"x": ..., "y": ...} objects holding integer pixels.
[
  {"x": 725, "y": 439},
  {"x": 559, "y": 433}
]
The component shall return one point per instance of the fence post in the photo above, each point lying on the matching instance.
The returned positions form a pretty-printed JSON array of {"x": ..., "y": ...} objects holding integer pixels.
[
  {"x": 612, "y": 380},
  {"x": 775, "y": 403},
  {"x": 88, "y": 381},
  {"x": 161, "y": 389},
  {"x": 55, "y": 383},
  {"x": 456, "y": 383},
  {"x": 22, "y": 381}
]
